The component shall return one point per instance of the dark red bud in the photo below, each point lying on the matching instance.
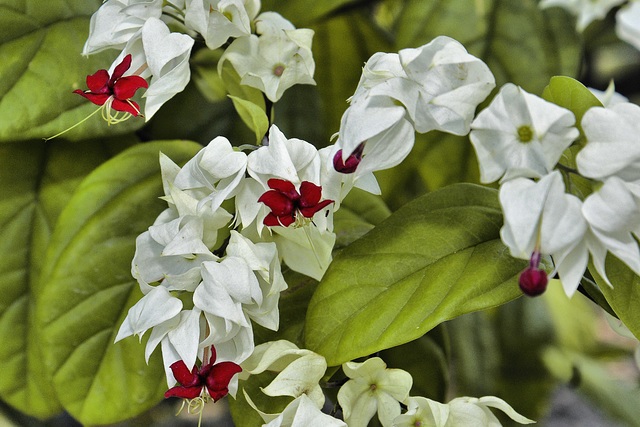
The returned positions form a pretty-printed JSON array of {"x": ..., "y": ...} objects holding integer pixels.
[
  {"x": 352, "y": 162},
  {"x": 533, "y": 281}
]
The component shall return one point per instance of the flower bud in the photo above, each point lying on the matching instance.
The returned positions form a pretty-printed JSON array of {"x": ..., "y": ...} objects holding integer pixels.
[{"x": 533, "y": 281}]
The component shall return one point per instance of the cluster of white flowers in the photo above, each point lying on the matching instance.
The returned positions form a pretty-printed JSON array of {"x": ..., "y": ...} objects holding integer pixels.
[
  {"x": 369, "y": 388},
  {"x": 587, "y": 11},
  {"x": 521, "y": 138},
  {"x": 212, "y": 263},
  {"x": 273, "y": 61}
]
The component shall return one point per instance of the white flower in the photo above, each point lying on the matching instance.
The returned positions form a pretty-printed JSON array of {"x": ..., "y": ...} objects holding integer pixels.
[
  {"x": 461, "y": 411},
  {"x": 172, "y": 253},
  {"x": 163, "y": 55},
  {"x": 243, "y": 286},
  {"x": 274, "y": 61},
  {"x": 613, "y": 215},
  {"x": 435, "y": 87},
  {"x": 628, "y": 24},
  {"x": 117, "y": 21},
  {"x": 218, "y": 20},
  {"x": 520, "y": 134},
  {"x": 372, "y": 388},
  {"x": 302, "y": 412},
  {"x": 586, "y": 10},
  {"x": 214, "y": 172},
  {"x": 156, "y": 307},
  {"x": 612, "y": 147},
  {"x": 541, "y": 216},
  {"x": 609, "y": 96},
  {"x": 299, "y": 370}
]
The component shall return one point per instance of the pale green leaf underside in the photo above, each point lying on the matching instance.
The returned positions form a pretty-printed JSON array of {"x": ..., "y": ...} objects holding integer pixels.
[
  {"x": 438, "y": 257},
  {"x": 89, "y": 288}
]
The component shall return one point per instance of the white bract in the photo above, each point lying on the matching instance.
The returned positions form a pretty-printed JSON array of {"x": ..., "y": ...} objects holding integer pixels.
[
  {"x": 214, "y": 173},
  {"x": 218, "y": 20},
  {"x": 373, "y": 388},
  {"x": 118, "y": 21},
  {"x": 434, "y": 87},
  {"x": 462, "y": 411},
  {"x": 586, "y": 11},
  {"x": 541, "y": 216},
  {"x": 628, "y": 24},
  {"x": 302, "y": 412},
  {"x": 612, "y": 147},
  {"x": 245, "y": 285},
  {"x": 520, "y": 135},
  {"x": 299, "y": 370},
  {"x": 306, "y": 245},
  {"x": 273, "y": 61}
]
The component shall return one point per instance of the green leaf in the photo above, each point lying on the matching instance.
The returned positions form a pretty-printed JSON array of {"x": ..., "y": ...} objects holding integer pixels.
[
  {"x": 36, "y": 181},
  {"x": 519, "y": 42},
  {"x": 302, "y": 12},
  {"x": 572, "y": 95},
  {"x": 625, "y": 294},
  {"x": 436, "y": 160},
  {"x": 89, "y": 288},
  {"x": 358, "y": 214},
  {"x": 253, "y": 116},
  {"x": 40, "y": 43},
  {"x": 436, "y": 258}
]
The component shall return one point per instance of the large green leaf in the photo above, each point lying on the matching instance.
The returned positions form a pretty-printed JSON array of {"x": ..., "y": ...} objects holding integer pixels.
[
  {"x": 40, "y": 45},
  {"x": 519, "y": 42},
  {"x": 89, "y": 288},
  {"x": 36, "y": 182},
  {"x": 436, "y": 258},
  {"x": 624, "y": 297}
]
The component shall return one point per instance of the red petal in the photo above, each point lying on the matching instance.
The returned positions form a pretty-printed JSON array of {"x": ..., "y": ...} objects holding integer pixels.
[
  {"x": 309, "y": 194},
  {"x": 97, "y": 82},
  {"x": 183, "y": 375},
  {"x": 272, "y": 220},
  {"x": 204, "y": 369},
  {"x": 285, "y": 187},
  {"x": 126, "y": 87},
  {"x": 120, "y": 69},
  {"x": 220, "y": 375},
  {"x": 127, "y": 106},
  {"x": 184, "y": 392},
  {"x": 98, "y": 99},
  {"x": 279, "y": 203},
  {"x": 311, "y": 211}
]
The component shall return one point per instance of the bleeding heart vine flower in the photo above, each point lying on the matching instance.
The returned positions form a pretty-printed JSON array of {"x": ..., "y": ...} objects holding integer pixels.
[
  {"x": 114, "y": 92},
  {"x": 286, "y": 203},
  {"x": 211, "y": 377}
]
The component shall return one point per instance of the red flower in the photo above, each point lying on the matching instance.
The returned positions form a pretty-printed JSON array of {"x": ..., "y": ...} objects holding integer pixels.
[
  {"x": 215, "y": 377},
  {"x": 352, "y": 162},
  {"x": 115, "y": 89},
  {"x": 284, "y": 201}
]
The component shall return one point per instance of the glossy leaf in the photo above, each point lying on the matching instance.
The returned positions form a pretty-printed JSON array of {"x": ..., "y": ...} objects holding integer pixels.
[
  {"x": 253, "y": 116},
  {"x": 358, "y": 214},
  {"x": 572, "y": 95},
  {"x": 436, "y": 258},
  {"x": 89, "y": 288},
  {"x": 36, "y": 181},
  {"x": 41, "y": 41},
  {"x": 625, "y": 294}
]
